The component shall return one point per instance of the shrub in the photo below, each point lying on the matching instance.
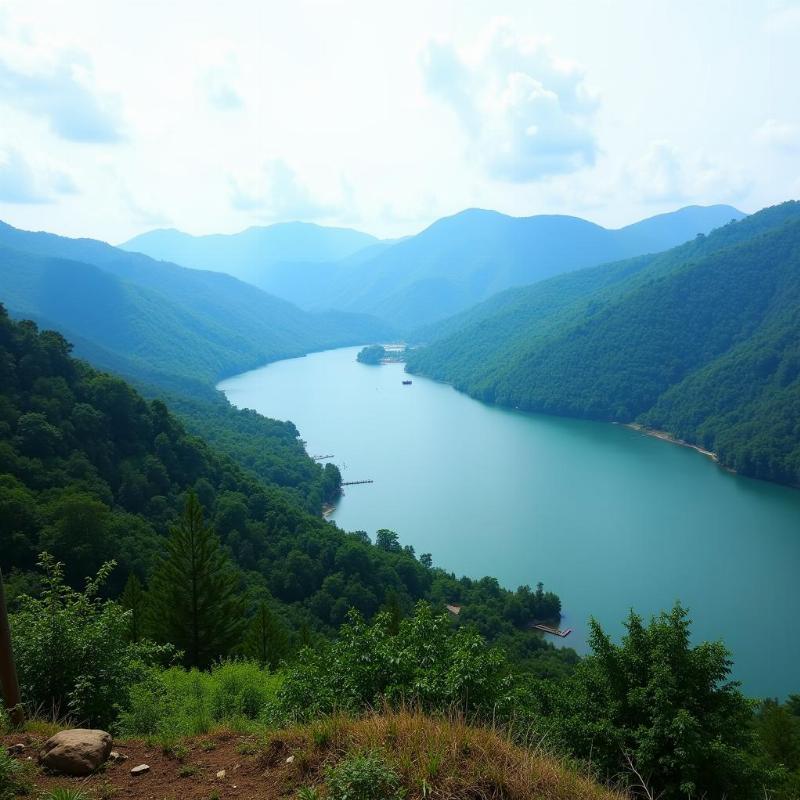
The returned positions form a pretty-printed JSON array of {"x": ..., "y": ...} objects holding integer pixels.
[
  {"x": 170, "y": 703},
  {"x": 73, "y": 655},
  {"x": 426, "y": 663},
  {"x": 15, "y": 779},
  {"x": 657, "y": 705},
  {"x": 363, "y": 776}
]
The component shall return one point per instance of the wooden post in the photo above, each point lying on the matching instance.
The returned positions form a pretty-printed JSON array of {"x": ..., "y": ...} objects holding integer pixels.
[{"x": 8, "y": 671}]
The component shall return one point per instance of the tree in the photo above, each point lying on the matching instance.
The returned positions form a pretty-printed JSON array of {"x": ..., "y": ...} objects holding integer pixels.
[
  {"x": 660, "y": 706},
  {"x": 194, "y": 599},
  {"x": 266, "y": 640},
  {"x": 387, "y": 540},
  {"x": 73, "y": 657},
  {"x": 133, "y": 599}
]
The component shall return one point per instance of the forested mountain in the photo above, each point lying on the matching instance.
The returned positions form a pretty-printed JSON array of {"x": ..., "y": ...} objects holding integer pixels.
[
  {"x": 456, "y": 262},
  {"x": 174, "y": 332},
  {"x": 250, "y": 254},
  {"x": 466, "y": 258},
  {"x": 163, "y": 317},
  {"x": 92, "y": 471},
  {"x": 700, "y": 341}
]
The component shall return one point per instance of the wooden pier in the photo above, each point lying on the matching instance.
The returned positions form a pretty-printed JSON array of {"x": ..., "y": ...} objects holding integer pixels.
[
  {"x": 321, "y": 458},
  {"x": 539, "y": 626},
  {"x": 355, "y": 483}
]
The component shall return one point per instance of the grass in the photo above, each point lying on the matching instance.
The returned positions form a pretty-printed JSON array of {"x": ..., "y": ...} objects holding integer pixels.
[
  {"x": 421, "y": 757},
  {"x": 403, "y": 753},
  {"x": 175, "y": 703}
]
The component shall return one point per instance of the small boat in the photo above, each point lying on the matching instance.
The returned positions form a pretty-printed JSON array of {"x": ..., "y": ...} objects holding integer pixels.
[{"x": 406, "y": 383}]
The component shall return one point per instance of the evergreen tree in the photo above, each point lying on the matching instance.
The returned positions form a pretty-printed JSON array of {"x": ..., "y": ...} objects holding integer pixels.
[
  {"x": 194, "y": 598},
  {"x": 134, "y": 599},
  {"x": 266, "y": 640}
]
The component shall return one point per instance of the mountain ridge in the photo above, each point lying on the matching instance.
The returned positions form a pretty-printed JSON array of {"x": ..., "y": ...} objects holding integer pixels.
[
  {"x": 626, "y": 341},
  {"x": 462, "y": 259}
]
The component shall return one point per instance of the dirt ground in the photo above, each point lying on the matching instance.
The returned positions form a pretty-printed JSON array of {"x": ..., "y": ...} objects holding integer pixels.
[{"x": 189, "y": 775}]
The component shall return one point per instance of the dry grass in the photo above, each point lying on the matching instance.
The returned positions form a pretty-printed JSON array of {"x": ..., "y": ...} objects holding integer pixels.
[{"x": 436, "y": 759}]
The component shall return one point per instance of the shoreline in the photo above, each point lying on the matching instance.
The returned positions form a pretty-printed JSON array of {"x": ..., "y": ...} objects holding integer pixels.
[{"x": 667, "y": 437}]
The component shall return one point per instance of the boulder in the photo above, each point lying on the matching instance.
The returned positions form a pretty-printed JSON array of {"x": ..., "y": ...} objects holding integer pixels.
[{"x": 78, "y": 751}]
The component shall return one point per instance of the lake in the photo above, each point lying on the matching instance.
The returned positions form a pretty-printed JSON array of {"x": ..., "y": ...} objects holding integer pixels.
[{"x": 608, "y": 518}]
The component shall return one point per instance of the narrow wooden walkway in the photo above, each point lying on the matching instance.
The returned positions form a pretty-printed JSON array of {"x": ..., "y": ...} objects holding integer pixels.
[{"x": 355, "y": 483}]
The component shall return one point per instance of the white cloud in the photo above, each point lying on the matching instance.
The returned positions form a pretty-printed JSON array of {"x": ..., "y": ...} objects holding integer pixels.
[
  {"x": 527, "y": 113},
  {"x": 783, "y": 20},
  {"x": 20, "y": 182},
  {"x": 61, "y": 92},
  {"x": 663, "y": 173},
  {"x": 780, "y": 135},
  {"x": 278, "y": 193},
  {"x": 143, "y": 214},
  {"x": 220, "y": 84}
]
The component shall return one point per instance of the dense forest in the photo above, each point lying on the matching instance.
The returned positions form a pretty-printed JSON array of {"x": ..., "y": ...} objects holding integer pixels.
[
  {"x": 173, "y": 332},
  {"x": 700, "y": 341},
  {"x": 191, "y": 562},
  {"x": 93, "y": 472}
]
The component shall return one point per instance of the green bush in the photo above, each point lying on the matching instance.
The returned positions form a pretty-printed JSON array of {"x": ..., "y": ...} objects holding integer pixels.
[
  {"x": 659, "y": 705},
  {"x": 73, "y": 655},
  {"x": 363, "y": 776},
  {"x": 15, "y": 778},
  {"x": 425, "y": 662},
  {"x": 175, "y": 702}
]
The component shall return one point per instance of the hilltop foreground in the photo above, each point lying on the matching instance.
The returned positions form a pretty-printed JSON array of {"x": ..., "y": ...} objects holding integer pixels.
[{"x": 383, "y": 756}]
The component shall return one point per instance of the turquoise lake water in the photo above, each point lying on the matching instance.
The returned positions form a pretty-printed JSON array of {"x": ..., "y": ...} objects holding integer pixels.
[{"x": 606, "y": 517}]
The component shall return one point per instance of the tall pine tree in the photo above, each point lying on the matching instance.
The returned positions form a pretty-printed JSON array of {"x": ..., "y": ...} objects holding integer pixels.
[
  {"x": 194, "y": 599},
  {"x": 266, "y": 640},
  {"x": 134, "y": 599}
]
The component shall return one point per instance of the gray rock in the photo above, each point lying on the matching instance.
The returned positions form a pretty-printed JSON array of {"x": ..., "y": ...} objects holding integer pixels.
[
  {"x": 16, "y": 749},
  {"x": 78, "y": 751},
  {"x": 141, "y": 769},
  {"x": 116, "y": 757}
]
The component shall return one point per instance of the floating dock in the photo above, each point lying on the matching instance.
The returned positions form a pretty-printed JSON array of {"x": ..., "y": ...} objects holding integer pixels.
[{"x": 539, "y": 626}]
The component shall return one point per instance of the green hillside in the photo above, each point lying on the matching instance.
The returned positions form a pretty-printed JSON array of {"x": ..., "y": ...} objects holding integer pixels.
[
  {"x": 700, "y": 341},
  {"x": 215, "y": 324},
  {"x": 92, "y": 471},
  {"x": 174, "y": 332}
]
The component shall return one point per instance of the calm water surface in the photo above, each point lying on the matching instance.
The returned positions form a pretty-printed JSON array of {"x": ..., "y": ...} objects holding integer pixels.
[{"x": 606, "y": 517}]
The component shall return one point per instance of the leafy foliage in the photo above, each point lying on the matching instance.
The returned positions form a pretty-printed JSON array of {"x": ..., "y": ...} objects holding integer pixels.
[
  {"x": 169, "y": 704},
  {"x": 657, "y": 705},
  {"x": 425, "y": 662},
  {"x": 777, "y": 726},
  {"x": 15, "y": 779},
  {"x": 363, "y": 776},
  {"x": 74, "y": 657}
]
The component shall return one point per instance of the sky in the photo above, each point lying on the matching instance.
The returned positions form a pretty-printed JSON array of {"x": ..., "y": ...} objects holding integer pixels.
[{"x": 119, "y": 117}]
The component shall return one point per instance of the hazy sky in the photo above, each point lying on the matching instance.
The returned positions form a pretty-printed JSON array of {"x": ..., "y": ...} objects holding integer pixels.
[{"x": 117, "y": 117}]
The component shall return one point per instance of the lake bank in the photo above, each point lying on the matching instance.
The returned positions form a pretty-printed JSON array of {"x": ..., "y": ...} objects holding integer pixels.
[{"x": 668, "y": 437}]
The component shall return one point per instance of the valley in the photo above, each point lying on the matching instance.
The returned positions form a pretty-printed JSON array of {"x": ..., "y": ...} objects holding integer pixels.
[{"x": 612, "y": 518}]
